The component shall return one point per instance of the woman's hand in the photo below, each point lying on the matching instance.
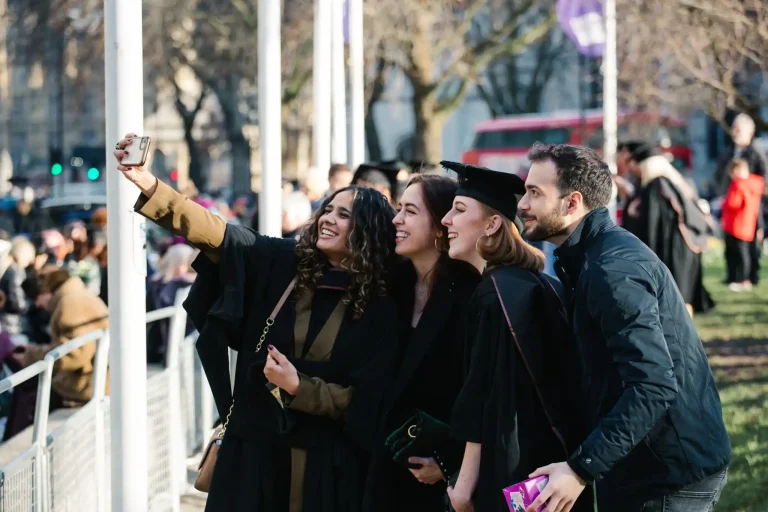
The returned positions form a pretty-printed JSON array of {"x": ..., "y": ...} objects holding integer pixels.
[
  {"x": 139, "y": 176},
  {"x": 280, "y": 372},
  {"x": 429, "y": 473},
  {"x": 461, "y": 501}
]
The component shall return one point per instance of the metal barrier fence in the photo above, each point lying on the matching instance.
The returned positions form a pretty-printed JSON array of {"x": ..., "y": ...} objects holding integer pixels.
[{"x": 69, "y": 468}]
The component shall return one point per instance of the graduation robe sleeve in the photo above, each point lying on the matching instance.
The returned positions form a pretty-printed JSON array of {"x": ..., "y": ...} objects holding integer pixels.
[
  {"x": 177, "y": 214},
  {"x": 252, "y": 271},
  {"x": 469, "y": 410}
]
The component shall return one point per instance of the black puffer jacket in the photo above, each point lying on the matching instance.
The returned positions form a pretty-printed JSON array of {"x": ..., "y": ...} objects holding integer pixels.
[{"x": 651, "y": 403}]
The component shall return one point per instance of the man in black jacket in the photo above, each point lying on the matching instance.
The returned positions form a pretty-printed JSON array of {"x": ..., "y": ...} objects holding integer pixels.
[
  {"x": 743, "y": 134},
  {"x": 658, "y": 441}
]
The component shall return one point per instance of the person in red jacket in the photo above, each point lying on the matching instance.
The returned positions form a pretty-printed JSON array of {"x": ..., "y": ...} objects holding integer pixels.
[{"x": 739, "y": 219}]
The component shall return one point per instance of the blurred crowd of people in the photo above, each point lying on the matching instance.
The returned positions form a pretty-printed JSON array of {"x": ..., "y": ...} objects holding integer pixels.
[
  {"x": 53, "y": 288},
  {"x": 663, "y": 208}
]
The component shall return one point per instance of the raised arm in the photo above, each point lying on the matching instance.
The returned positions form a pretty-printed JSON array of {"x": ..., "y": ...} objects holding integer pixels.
[{"x": 172, "y": 211}]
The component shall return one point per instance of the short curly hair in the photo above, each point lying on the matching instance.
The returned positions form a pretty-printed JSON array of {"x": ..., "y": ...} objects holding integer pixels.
[
  {"x": 371, "y": 242},
  {"x": 579, "y": 169}
]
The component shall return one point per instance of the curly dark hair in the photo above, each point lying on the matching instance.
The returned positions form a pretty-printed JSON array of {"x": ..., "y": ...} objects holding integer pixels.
[{"x": 371, "y": 242}]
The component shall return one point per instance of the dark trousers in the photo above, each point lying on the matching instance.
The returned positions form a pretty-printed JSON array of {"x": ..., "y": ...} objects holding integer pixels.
[
  {"x": 738, "y": 259},
  {"x": 698, "y": 497},
  {"x": 755, "y": 251}
]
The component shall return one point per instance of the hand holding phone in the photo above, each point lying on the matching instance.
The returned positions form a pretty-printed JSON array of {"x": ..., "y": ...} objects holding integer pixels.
[
  {"x": 131, "y": 154},
  {"x": 136, "y": 152}
]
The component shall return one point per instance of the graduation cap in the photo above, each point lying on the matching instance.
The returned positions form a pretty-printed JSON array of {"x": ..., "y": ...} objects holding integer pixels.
[
  {"x": 499, "y": 190},
  {"x": 643, "y": 152}
]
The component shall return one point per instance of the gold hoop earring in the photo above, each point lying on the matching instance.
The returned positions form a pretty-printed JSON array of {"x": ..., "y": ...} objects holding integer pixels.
[
  {"x": 477, "y": 249},
  {"x": 437, "y": 246}
]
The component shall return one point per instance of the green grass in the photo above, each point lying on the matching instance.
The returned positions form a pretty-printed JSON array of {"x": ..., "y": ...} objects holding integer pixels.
[{"x": 735, "y": 335}]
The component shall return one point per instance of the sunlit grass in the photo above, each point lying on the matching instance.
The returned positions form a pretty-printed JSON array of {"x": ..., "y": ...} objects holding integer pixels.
[{"x": 735, "y": 335}]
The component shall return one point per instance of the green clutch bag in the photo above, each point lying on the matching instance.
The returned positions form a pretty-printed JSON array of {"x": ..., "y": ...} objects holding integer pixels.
[{"x": 420, "y": 436}]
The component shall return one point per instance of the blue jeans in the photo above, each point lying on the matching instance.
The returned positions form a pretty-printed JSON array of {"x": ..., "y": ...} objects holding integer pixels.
[{"x": 699, "y": 497}]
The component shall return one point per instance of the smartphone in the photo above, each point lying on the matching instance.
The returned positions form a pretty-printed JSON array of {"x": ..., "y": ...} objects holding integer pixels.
[{"x": 138, "y": 150}]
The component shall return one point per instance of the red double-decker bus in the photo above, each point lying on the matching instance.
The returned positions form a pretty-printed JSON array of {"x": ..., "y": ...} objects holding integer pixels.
[{"x": 502, "y": 143}]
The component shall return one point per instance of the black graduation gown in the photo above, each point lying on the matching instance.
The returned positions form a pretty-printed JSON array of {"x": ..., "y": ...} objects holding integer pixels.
[
  {"x": 499, "y": 406},
  {"x": 229, "y": 304},
  {"x": 428, "y": 377},
  {"x": 656, "y": 224}
]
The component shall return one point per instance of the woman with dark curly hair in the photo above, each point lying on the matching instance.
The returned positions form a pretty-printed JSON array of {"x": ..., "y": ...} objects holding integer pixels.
[{"x": 301, "y": 420}]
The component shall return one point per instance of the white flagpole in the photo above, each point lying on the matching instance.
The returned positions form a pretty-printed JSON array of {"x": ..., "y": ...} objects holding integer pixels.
[{"x": 123, "y": 65}]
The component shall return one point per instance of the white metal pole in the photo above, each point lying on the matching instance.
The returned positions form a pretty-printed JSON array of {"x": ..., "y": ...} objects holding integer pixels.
[
  {"x": 321, "y": 86},
  {"x": 339, "y": 85},
  {"x": 270, "y": 124},
  {"x": 610, "y": 100},
  {"x": 127, "y": 261},
  {"x": 356, "y": 82}
]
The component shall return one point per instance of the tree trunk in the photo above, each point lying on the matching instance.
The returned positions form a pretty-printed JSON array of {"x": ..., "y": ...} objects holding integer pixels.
[
  {"x": 240, "y": 151},
  {"x": 372, "y": 140},
  {"x": 188, "y": 116},
  {"x": 196, "y": 172},
  {"x": 228, "y": 93},
  {"x": 428, "y": 143}
]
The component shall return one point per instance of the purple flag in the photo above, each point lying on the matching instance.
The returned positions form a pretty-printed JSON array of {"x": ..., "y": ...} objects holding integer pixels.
[{"x": 582, "y": 21}]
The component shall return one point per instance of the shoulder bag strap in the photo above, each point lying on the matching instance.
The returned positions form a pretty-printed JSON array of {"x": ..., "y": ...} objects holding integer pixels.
[
  {"x": 528, "y": 368},
  {"x": 262, "y": 339}
]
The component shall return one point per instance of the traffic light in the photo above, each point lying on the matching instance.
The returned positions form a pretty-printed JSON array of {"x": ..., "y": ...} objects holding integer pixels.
[
  {"x": 92, "y": 161},
  {"x": 56, "y": 159}
]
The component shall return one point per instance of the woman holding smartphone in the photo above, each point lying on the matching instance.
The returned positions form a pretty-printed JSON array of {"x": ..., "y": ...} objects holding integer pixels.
[
  {"x": 431, "y": 292},
  {"x": 515, "y": 412},
  {"x": 301, "y": 420}
]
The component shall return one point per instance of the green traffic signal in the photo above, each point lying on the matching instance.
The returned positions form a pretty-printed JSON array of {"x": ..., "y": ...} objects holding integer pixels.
[
  {"x": 57, "y": 169},
  {"x": 93, "y": 174}
]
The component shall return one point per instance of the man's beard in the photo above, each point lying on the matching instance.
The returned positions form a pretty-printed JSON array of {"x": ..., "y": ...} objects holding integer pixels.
[{"x": 547, "y": 227}]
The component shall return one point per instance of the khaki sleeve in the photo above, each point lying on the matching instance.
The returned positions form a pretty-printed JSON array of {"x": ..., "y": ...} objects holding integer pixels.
[
  {"x": 177, "y": 214},
  {"x": 321, "y": 398}
]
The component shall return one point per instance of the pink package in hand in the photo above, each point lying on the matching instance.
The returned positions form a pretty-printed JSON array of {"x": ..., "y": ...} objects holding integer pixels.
[{"x": 520, "y": 496}]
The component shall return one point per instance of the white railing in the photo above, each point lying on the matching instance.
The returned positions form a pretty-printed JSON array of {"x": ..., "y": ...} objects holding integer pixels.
[{"x": 69, "y": 468}]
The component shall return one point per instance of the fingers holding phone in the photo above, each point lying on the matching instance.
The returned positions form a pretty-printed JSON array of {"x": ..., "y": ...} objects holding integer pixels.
[{"x": 131, "y": 153}]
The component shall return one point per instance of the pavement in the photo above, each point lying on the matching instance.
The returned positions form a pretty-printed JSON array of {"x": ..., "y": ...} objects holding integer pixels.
[{"x": 192, "y": 500}]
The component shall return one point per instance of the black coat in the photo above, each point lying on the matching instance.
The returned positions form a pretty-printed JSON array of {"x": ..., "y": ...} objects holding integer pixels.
[
  {"x": 428, "y": 377},
  {"x": 658, "y": 226},
  {"x": 516, "y": 400},
  {"x": 652, "y": 406},
  {"x": 229, "y": 304}
]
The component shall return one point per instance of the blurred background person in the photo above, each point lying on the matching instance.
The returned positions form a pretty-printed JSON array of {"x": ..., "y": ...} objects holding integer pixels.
[
  {"x": 741, "y": 209},
  {"x": 21, "y": 256},
  {"x": 74, "y": 312},
  {"x": 664, "y": 214},
  {"x": 296, "y": 212},
  {"x": 315, "y": 187},
  {"x": 743, "y": 135},
  {"x": 174, "y": 272},
  {"x": 339, "y": 176}
]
